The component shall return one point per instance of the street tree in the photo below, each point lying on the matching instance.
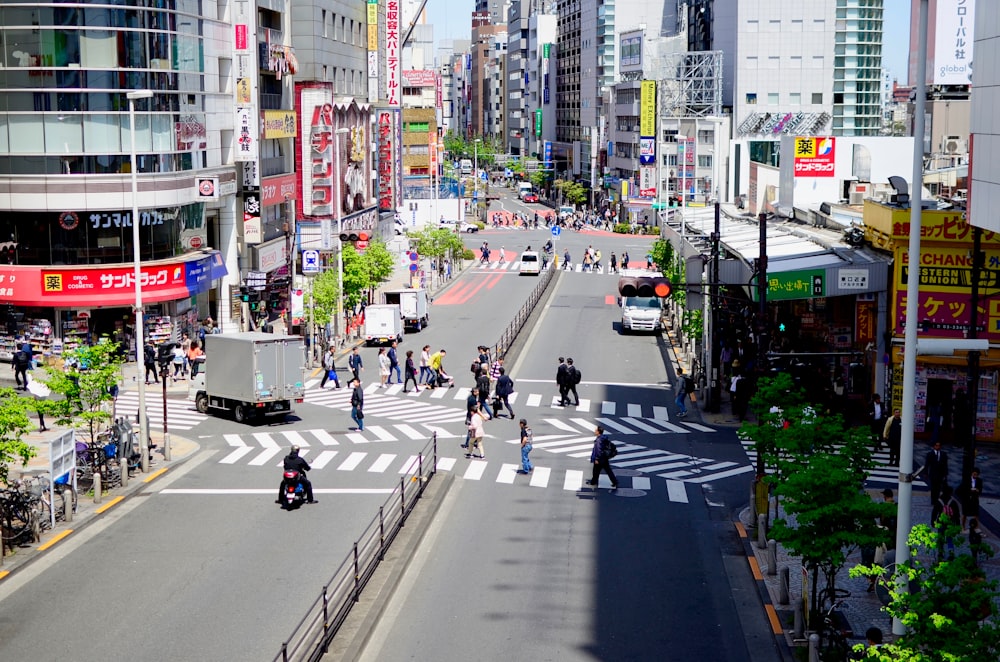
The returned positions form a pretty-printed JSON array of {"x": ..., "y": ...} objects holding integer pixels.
[
  {"x": 355, "y": 277},
  {"x": 14, "y": 424},
  {"x": 949, "y": 608},
  {"x": 379, "y": 263},
  {"x": 437, "y": 244},
  {"x": 88, "y": 383},
  {"x": 325, "y": 292}
]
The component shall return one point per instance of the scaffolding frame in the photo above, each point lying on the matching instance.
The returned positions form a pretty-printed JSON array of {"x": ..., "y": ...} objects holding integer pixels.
[{"x": 695, "y": 88}]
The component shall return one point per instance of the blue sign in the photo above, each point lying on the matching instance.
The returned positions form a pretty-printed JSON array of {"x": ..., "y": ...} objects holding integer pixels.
[
  {"x": 556, "y": 230},
  {"x": 483, "y": 176},
  {"x": 547, "y": 153},
  {"x": 508, "y": 173},
  {"x": 310, "y": 262}
]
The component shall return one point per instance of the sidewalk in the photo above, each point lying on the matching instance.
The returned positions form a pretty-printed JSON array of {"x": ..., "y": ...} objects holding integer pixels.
[{"x": 87, "y": 511}]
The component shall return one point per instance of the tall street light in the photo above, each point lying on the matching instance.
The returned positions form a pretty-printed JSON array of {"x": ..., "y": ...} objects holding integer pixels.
[
  {"x": 340, "y": 244},
  {"x": 136, "y": 259},
  {"x": 475, "y": 174}
]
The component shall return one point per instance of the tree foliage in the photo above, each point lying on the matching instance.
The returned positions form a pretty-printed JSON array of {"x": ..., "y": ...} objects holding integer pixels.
[
  {"x": 363, "y": 272},
  {"x": 950, "y": 610},
  {"x": 325, "y": 292},
  {"x": 436, "y": 243},
  {"x": 573, "y": 192},
  {"x": 14, "y": 423},
  {"x": 819, "y": 467},
  {"x": 90, "y": 373}
]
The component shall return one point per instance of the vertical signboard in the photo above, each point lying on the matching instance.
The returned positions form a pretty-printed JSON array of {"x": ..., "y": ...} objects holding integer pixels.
[
  {"x": 386, "y": 181},
  {"x": 953, "y": 32},
  {"x": 647, "y": 122},
  {"x": 547, "y": 154},
  {"x": 252, "y": 231},
  {"x": 245, "y": 79},
  {"x": 538, "y": 122},
  {"x": 393, "y": 65},
  {"x": 432, "y": 141},
  {"x": 316, "y": 151},
  {"x": 373, "y": 55},
  {"x": 814, "y": 157}
]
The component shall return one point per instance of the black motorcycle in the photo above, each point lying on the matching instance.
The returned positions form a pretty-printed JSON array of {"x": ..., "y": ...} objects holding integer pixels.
[{"x": 294, "y": 493}]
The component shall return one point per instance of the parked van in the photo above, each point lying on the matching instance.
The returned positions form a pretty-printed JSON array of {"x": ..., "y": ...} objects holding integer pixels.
[
  {"x": 465, "y": 166},
  {"x": 530, "y": 263}
]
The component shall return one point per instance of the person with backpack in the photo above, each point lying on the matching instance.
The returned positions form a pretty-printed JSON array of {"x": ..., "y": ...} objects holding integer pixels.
[
  {"x": 149, "y": 360},
  {"x": 573, "y": 378},
  {"x": 562, "y": 379},
  {"x": 355, "y": 364},
  {"x": 604, "y": 449},
  {"x": 329, "y": 368},
  {"x": 21, "y": 365},
  {"x": 680, "y": 391}
]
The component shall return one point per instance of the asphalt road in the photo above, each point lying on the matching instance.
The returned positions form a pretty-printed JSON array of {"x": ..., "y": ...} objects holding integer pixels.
[{"x": 203, "y": 565}]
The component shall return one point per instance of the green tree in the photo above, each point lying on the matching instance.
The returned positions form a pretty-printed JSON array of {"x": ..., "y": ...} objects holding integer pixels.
[
  {"x": 14, "y": 423},
  {"x": 379, "y": 263},
  {"x": 950, "y": 610},
  {"x": 325, "y": 292},
  {"x": 355, "y": 277},
  {"x": 540, "y": 179},
  {"x": 455, "y": 145},
  {"x": 437, "y": 243},
  {"x": 86, "y": 384}
]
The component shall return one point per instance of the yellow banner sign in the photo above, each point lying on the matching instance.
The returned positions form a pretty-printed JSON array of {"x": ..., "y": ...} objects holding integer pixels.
[
  {"x": 372, "y": 14},
  {"x": 279, "y": 124},
  {"x": 647, "y": 109},
  {"x": 372, "y": 37}
]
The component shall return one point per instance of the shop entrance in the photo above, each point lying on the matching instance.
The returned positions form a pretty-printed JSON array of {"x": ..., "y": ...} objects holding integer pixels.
[{"x": 939, "y": 405}]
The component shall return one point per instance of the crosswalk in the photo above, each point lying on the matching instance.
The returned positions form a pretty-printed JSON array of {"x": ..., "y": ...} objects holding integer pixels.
[
  {"x": 882, "y": 474},
  {"x": 181, "y": 414},
  {"x": 515, "y": 265},
  {"x": 448, "y": 406}
]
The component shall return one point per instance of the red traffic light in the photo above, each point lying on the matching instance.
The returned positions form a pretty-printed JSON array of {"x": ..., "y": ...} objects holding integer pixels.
[
  {"x": 362, "y": 236},
  {"x": 644, "y": 286}
]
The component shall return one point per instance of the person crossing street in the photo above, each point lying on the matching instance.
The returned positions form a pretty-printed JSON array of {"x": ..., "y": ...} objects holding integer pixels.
[
  {"x": 329, "y": 369},
  {"x": 600, "y": 457}
]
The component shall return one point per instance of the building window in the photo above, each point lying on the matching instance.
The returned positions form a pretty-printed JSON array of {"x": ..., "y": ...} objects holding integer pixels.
[
  {"x": 704, "y": 160},
  {"x": 817, "y": 98},
  {"x": 323, "y": 19},
  {"x": 772, "y": 98},
  {"x": 795, "y": 98},
  {"x": 751, "y": 98}
]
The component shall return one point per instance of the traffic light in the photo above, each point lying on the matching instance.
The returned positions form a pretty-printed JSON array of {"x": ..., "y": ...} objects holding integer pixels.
[{"x": 644, "y": 286}]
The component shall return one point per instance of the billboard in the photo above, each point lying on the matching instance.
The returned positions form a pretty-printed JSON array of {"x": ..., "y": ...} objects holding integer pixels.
[
  {"x": 393, "y": 63},
  {"x": 279, "y": 124},
  {"x": 647, "y": 109},
  {"x": 953, "y": 32},
  {"x": 814, "y": 157}
]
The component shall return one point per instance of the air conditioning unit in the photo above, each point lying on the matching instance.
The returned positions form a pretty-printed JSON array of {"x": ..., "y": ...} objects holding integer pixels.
[
  {"x": 857, "y": 198},
  {"x": 954, "y": 145}
]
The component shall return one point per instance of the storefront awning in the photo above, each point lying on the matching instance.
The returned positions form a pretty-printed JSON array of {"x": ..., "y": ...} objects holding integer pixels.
[{"x": 104, "y": 286}]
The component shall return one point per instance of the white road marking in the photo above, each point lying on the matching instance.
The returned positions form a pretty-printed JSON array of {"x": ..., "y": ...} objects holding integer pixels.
[
  {"x": 475, "y": 470},
  {"x": 660, "y": 412},
  {"x": 698, "y": 427},
  {"x": 352, "y": 461},
  {"x": 241, "y": 449},
  {"x": 410, "y": 432},
  {"x": 534, "y": 399},
  {"x": 295, "y": 438},
  {"x": 573, "y": 480},
  {"x": 381, "y": 433},
  {"x": 199, "y": 491},
  {"x": 508, "y": 473},
  {"x": 634, "y": 410},
  {"x": 446, "y": 463},
  {"x": 562, "y": 425},
  {"x": 393, "y": 389},
  {"x": 411, "y": 465},
  {"x": 640, "y": 482},
  {"x": 670, "y": 427},
  {"x": 439, "y": 393},
  {"x": 608, "y": 408},
  {"x": 611, "y": 425},
  {"x": 382, "y": 463},
  {"x": 356, "y": 437},
  {"x": 512, "y": 398},
  {"x": 322, "y": 459},
  {"x": 677, "y": 491},
  {"x": 540, "y": 476},
  {"x": 725, "y": 474},
  {"x": 584, "y": 405},
  {"x": 635, "y": 422}
]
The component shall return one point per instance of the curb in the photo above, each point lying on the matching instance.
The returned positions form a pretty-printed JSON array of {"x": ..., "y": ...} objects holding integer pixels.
[{"x": 780, "y": 636}]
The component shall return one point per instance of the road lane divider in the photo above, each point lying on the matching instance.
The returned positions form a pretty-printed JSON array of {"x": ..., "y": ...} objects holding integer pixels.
[
  {"x": 110, "y": 504},
  {"x": 155, "y": 475}
]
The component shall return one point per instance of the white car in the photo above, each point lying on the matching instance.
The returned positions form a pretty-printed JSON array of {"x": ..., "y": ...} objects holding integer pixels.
[{"x": 468, "y": 227}]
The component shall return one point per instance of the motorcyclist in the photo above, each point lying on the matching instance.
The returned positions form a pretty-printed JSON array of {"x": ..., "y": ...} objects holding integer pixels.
[{"x": 295, "y": 463}]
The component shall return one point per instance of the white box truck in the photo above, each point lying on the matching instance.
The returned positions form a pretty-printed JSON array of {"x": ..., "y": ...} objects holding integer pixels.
[
  {"x": 412, "y": 304},
  {"x": 383, "y": 324},
  {"x": 253, "y": 375}
]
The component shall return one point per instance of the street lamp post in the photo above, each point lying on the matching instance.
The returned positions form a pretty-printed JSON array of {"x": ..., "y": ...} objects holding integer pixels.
[
  {"x": 475, "y": 175},
  {"x": 340, "y": 244},
  {"x": 137, "y": 270}
]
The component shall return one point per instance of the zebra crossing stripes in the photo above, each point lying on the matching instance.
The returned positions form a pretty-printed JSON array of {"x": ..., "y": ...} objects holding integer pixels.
[
  {"x": 883, "y": 473},
  {"x": 181, "y": 414}
]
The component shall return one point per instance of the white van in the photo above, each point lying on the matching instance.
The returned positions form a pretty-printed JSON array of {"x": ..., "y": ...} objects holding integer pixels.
[
  {"x": 524, "y": 188},
  {"x": 530, "y": 263},
  {"x": 465, "y": 167}
]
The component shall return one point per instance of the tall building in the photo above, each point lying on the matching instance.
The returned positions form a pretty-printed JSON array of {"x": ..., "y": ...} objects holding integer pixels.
[
  {"x": 857, "y": 68},
  {"x": 66, "y": 217}
]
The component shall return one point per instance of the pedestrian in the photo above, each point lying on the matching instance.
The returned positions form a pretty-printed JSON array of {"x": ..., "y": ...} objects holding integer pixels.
[
  {"x": 384, "y": 366},
  {"x": 40, "y": 406},
  {"x": 21, "y": 365},
  {"x": 947, "y": 512},
  {"x": 680, "y": 392},
  {"x": 936, "y": 466},
  {"x": 483, "y": 387},
  {"x": 476, "y": 434},
  {"x": 504, "y": 387},
  {"x": 740, "y": 393},
  {"x": 649, "y": 262},
  {"x": 495, "y": 369},
  {"x": 195, "y": 357},
  {"x": 358, "y": 404},
  {"x": 437, "y": 368},
  {"x": 566, "y": 263},
  {"x": 527, "y": 436},
  {"x": 562, "y": 378},
  {"x": 410, "y": 370},
  {"x": 355, "y": 364},
  {"x": 600, "y": 457},
  {"x": 471, "y": 403},
  {"x": 186, "y": 346},
  {"x": 597, "y": 261},
  {"x": 976, "y": 545},
  {"x": 178, "y": 360},
  {"x": 933, "y": 421},
  {"x": 425, "y": 365},
  {"x": 892, "y": 433},
  {"x": 329, "y": 368},
  {"x": 972, "y": 489},
  {"x": 613, "y": 264},
  {"x": 624, "y": 259},
  {"x": 876, "y": 420},
  {"x": 573, "y": 377},
  {"x": 394, "y": 363},
  {"x": 149, "y": 361}
]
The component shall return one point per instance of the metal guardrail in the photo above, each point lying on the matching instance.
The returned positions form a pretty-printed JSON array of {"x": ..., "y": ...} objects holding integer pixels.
[
  {"x": 312, "y": 636},
  {"x": 499, "y": 349}
]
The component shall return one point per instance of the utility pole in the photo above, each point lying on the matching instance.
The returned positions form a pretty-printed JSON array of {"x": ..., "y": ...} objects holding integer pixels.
[
  {"x": 761, "y": 315},
  {"x": 969, "y": 440},
  {"x": 715, "y": 392}
]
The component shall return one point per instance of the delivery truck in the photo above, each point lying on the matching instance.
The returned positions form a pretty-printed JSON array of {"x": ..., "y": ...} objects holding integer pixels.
[
  {"x": 253, "y": 375},
  {"x": 412, "y": 304},
  {"x": 383, "y": 324}
]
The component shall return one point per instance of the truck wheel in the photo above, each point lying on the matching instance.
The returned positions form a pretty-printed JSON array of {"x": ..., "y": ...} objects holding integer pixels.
[
  {"x": 241, "y": 414},
  {"x": 201, "y": 403}
]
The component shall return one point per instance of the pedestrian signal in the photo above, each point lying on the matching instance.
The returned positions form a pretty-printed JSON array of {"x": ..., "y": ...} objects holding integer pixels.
[{"x": 644, "y": 286}]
